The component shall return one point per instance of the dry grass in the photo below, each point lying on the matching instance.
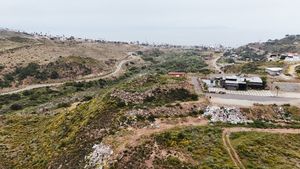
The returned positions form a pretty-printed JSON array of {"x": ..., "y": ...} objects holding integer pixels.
[
  {"x": 267, "y": 150},
  {"x": 46, "y": 53},
  {"x": 19, "y": 49}
]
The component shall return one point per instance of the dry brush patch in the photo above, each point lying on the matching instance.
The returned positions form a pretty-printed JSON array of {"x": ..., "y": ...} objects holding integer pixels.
[
  {"x": 267, "y": 150},
  {"x": 191, "y": 147},
  {"x": 50, "y": 51},
  {"x": 273, "y": 112}
]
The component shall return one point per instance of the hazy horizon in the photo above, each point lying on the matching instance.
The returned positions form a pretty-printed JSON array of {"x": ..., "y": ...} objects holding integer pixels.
[{"x": 189, "y": 22}]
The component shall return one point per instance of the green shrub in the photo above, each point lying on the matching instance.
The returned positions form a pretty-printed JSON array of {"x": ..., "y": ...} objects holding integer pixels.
[
  {"x": 16, "y": 106},
  {"x": 298, "y": 69},
  {"x": 265, "y": 81},
  {"x": 14, "y": 97},
  {"x": 32, "y": 69},
  {"x": 87, "y": 98},
  {"x": 1, "y": 67},
  {"x": 28, "y": 92},
  {"x": 267, "y": 150},
  {"x": 63, "y": 105},
  {"x": 54, "y": 75}
]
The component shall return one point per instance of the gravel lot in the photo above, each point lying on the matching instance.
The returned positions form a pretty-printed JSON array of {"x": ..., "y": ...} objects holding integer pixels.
[{"x": 288, "y": 87}]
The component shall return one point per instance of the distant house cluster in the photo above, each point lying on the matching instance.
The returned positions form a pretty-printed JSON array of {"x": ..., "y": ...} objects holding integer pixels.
[
  {"x": 292, "y": 57},
  {"x": 287, "y": 57}
]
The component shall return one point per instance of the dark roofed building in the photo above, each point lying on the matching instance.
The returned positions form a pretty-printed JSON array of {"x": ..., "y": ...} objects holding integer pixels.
[{"x": 241, "y": 83}]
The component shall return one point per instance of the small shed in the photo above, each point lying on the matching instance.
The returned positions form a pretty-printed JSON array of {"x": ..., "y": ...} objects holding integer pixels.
[
  {"x": 274, "y": 71},
  {"x": 177, "y": 74}
]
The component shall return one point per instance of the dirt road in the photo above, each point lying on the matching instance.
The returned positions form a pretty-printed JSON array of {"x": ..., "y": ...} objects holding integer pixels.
[
  {"x": 116, "y": 72},
  {"x": 231, "y": 151},
  {"x": 134, "y": 135},
  {"x": 233, "y": 154},
  {"x": 215, "y": 64},
  {"x": 195, "y": 82},
  {"x": 248, "y": 101},
  {"x": 292, "y": 70}
]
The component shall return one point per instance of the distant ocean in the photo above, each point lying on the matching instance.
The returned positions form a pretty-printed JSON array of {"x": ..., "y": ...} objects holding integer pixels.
[
  {"x": 210, "y": 36},
  {"x": 189, "y": 22}
]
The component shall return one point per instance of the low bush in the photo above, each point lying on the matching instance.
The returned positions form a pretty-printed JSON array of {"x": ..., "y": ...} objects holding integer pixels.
[
  {"x": 63, "y": 105},
  {"x": 1, "y": 67},
  {"x": 16, "y": 106}
]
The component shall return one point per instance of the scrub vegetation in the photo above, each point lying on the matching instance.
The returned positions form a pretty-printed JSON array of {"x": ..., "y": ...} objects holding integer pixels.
[
  {"x": 57, "y": 127},
  {"x": 192, "y": 147},
  {"x": 63, "y": 68},
  {"x": 41, "y": 140},
  {"x": 178, "y": 61},
  {"x": 266, "y": 150}
]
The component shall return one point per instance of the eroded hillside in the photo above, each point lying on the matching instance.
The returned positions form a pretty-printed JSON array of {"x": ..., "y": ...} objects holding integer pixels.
[
  {"x": 42, "y": 58},
  {"x": 140, "y": 116}
]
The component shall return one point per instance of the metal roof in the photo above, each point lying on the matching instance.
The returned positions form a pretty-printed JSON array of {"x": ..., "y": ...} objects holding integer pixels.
[
  {"x": 274, "y": 69},
  {"x": 254, "y": 79}
]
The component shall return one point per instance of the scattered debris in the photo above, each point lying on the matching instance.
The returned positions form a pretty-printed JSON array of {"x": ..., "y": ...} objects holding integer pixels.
[
  {"x": 225, "y": 114},
  {"x": 283, "y": 113},
  {"x": 169, "y": 110},
  {"x": 131, "y": 97},
  {"x": 136, "y": 97},
  {"x": 97, "y": 159}
]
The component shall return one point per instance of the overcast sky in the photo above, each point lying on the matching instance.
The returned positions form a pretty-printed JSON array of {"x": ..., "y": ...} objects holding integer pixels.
[{"x": 189, "y": 22}]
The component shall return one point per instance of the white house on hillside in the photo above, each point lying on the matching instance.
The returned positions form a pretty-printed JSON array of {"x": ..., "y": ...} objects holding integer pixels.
[
  {"x": 292, "y": 57},
  {"x": 274, "y": 71}
]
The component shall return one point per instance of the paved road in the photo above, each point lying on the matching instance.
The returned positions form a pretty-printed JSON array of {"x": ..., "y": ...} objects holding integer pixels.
[
  {"x": 112, "y": 74},
  {"x": 251, "y": 98},
  {"x": 262, "y": 93},
  {"x": 247, "y": 101}
]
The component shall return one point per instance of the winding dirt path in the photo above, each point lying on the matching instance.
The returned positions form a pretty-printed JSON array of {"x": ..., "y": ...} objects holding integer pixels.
[
  {"x": 195, "y": 81},
  {"x": 111, "y": 74},
  {"x": 216, "y": 65},
  {"x": 233, "y": 154},
  {"x": 134, "y": 135},
  {"x": 231, "y": 151},
  {"x": 213, "y": 63},
  {"x": 292, "y": 70}
]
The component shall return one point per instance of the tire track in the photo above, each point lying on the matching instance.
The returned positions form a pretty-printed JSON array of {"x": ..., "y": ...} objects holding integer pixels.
[{"x": 233, "y": 154}]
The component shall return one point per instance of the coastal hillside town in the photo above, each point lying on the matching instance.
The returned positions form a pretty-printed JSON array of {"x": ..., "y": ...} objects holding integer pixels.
[
  {"x": 103, "y": 104},
  {"x": 114, "y": 84}
]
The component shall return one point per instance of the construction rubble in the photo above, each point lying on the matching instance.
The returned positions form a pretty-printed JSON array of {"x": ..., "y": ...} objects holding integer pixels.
[
  {"x": 97, "y": 159},
  {"x": 231, "y": 115},
  {"x": 168, "y": 111},
  {"x": 131, "y": 97}
]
